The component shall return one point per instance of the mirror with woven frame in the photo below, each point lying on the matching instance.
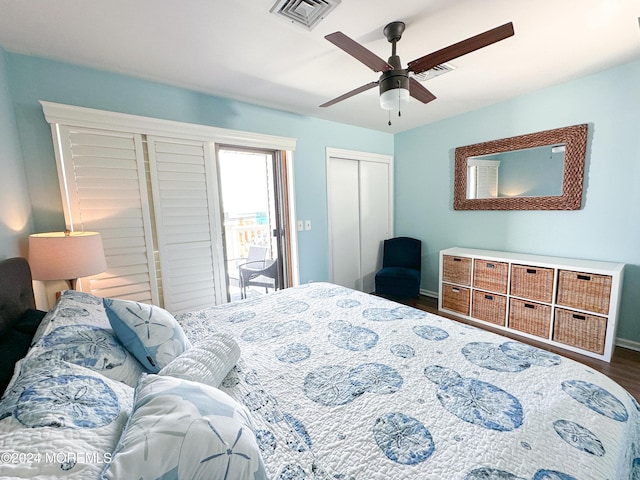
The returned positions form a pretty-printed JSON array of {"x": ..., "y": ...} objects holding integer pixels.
[{"x": 477, "y": 171}]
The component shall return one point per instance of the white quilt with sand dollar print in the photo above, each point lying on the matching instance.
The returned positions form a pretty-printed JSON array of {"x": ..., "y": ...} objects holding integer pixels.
[{"x": 344, "y": 385}]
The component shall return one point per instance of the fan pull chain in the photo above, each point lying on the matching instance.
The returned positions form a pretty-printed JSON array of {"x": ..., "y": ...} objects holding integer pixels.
[
  {"x": 399, "y": 112},
  {"x": 389, "y": 117}
]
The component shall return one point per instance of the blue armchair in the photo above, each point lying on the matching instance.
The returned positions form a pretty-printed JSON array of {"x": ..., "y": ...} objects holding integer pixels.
[{"x": 401, "y": 267}]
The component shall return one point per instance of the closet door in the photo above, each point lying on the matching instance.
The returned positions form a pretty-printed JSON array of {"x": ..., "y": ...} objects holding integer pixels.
[
  {"x": 104, "y": 189},
  {"x": 188, "y": 225},
  {"x": 375, "y": 212},
  {"x": 344, "y": 222},
  {"x": 360, "y": 216}
]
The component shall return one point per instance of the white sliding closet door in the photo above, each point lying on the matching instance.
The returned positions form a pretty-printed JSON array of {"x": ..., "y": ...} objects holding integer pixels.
[
  {"x": 375, "y": 215},
  {"x": 185, "y": 192},
  {"x": 344, "y": 222},
  {"x": 104, "y": 189},
  {"x": 359, "y": 190}
]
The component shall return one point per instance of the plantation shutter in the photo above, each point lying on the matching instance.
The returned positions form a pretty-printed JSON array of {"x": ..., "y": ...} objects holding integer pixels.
[
  {"x": 482, "y": 178},
  {"x": 104, "y": 188},
  {"x": 149, "y": 186},
  {"x": 487, "y": 181},
  {"x": 184, "y": 187}
]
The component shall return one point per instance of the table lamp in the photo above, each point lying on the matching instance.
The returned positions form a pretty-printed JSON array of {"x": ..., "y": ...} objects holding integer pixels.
[{"x": 66, "y": 256}]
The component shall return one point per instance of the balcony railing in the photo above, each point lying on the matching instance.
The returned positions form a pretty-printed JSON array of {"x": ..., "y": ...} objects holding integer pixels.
[{"x": 245, "y": 230}]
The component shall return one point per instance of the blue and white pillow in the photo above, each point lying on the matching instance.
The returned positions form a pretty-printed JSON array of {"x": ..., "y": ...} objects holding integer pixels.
[
  {"x": 184, "y": 429},
  {"x": 63, "y": 419},
  {"x": 92, "y": 347},
  {"x": 78, "y": 331},
  {"x": 149, "y": 332},
  {"x": 73, "y": 308},
  {"x": 208, "y": 361}
]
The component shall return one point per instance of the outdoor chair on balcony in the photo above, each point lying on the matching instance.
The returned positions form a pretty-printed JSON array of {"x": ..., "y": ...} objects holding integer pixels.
[
  {"x": 257, "y": 253},
  {"x": 259, "y": 274}
]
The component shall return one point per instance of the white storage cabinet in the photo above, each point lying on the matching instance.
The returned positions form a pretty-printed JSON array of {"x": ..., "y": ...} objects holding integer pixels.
[{"x": 569, "y": 303}]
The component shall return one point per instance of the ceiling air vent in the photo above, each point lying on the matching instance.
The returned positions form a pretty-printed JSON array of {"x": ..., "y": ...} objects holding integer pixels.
[
  {"x": 306, "y": 13},
  {"x": 436, "y": 71}
]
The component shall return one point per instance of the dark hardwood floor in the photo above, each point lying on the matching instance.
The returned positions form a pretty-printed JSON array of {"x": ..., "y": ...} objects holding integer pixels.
[{"x": 624, "y": 367}]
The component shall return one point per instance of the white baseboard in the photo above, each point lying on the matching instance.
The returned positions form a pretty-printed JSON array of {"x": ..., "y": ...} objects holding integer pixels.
[
  {"x": 631, "y": 345},
  {"x": 429, "y": 293},
  {"x": 620, "y": 342}
]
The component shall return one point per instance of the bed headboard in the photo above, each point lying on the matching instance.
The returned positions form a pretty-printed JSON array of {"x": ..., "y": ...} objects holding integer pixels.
[{"x": 16, "y": 291}]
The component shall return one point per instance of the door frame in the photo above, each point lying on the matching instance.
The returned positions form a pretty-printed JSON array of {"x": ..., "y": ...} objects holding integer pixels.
[
  {"x": 285, "y": 211},
  {"x": 359, "y": 156}
]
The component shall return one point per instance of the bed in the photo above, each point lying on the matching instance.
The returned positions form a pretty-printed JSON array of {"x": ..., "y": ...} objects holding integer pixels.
[{"x": 312, "y": 382}]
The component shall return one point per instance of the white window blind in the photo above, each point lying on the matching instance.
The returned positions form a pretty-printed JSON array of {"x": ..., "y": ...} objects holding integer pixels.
[
  {"x": 482, "y": 178},
  {"x": 103, "y": 179},
  {"x": 106, "y": 186},
  {"x": 184, "y": 190}
]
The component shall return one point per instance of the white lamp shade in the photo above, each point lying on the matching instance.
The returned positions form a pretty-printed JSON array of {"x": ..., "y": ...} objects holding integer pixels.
[
  {"x": 394, "y": 98},
  {"x": 66, "y": 255}
]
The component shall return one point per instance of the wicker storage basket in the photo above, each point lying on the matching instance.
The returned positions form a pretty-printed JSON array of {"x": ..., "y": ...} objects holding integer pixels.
[
  {"x": 533, "y": 283},
  {"x": 491, "y": 276},
  {"x": 585, "y": 291},
  {"x": 530, "y": 317},
  {"x": 455, "y": 298},
  {"x": 456, "y": 270},
  {"x": 580, "y": 330},
  {"x": 489, "y": 307}
]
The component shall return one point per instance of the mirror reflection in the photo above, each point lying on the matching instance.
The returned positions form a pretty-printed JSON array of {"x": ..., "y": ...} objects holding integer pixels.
[{"x": 528, "y": 172}]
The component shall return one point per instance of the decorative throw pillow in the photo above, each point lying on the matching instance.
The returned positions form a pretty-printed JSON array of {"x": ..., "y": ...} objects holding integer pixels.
[
  {"x": 73, "y": 308},
  {"x": 207, "y": 361},
  {"x": 64, "y": 420},
  {"x": 92, "y": 347},
  {"x": 183, "y": 429},
  {"x": 77, "y": 330},
  {"x": 149, "y": 332}
]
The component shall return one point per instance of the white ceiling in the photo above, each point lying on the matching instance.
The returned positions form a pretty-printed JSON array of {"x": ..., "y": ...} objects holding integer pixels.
[{"x": 237, "y": 49}]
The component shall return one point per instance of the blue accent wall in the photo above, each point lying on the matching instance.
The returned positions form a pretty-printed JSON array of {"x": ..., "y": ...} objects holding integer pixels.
[
  {"x": 15, "y": 210},
  {"x": 33, "y": 79},
  {"x": 606, "y": 228}
]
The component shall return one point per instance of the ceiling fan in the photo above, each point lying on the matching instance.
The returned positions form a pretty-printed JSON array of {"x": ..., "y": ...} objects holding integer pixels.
[{"x": 396, "y": 84}]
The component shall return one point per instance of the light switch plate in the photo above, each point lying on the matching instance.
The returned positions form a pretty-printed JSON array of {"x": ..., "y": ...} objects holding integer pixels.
[{"x": 307, "y": 224}]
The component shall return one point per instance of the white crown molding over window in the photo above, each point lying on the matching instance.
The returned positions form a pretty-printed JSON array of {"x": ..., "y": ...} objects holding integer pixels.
[{"x": 124, "y": 122}]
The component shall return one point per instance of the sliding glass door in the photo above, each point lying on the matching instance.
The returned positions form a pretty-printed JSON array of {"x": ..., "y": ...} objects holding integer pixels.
[{"x": 255, "y": 205}]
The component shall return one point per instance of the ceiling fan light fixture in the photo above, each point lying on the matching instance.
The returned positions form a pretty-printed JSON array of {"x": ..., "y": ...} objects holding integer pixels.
[
  {"x": 394, "y": 99},
  {"x": 394, "y": 89}
]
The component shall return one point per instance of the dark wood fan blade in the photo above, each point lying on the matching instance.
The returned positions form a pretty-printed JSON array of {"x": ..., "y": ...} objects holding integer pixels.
[
  {"x": 461, "y": 48},
  {"x": 350, "y": 94},
  {"x": 358, "y": 52},
  {"x": 419, "y": 92}
]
